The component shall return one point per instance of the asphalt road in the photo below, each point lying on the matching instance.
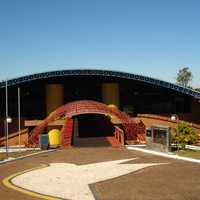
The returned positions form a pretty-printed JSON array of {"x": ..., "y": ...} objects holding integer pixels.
[{"x": 177, "y": 180}]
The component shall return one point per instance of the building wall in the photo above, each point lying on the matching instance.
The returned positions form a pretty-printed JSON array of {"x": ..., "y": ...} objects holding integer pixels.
[
  {"x": 111, "y": 94},
  {"x": 195, "y": 112},
  {"x": 12, "y": 127},
  {"x": 191, "y": 117},
  {"x": 14, "y": 139},
  {"x": 39, "y": 98},
  {"x": 149, "y": 120},
  {"x": 54, "y": 96}
]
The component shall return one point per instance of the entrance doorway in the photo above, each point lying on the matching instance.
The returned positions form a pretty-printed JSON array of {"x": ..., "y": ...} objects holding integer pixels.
[{"x": 92, "y": 130}]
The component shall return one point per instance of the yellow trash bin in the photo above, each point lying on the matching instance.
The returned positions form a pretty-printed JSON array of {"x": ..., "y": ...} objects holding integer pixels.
[{"x": 54, "y": 137}]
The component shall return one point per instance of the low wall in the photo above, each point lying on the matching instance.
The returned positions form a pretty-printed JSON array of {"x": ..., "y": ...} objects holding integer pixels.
[
  {"x": 13, "y": 138},
  {"x": 150, "y": 119},
  {"x": 119, "y": 135}
]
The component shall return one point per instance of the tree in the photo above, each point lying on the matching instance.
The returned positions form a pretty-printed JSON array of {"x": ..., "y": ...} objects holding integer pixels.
[
  {"x": 197, "y": 89},
  {"x": 184, "y": 77}
]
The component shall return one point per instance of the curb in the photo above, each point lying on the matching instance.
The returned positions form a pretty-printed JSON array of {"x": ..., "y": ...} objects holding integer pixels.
[
  {"x": 165, "y": 155},
  {"x": 26, "y": 156},
  {"x": 8, "y": 183}
]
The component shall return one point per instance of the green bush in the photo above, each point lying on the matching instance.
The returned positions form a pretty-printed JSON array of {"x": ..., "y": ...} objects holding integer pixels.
[{"x": 185, "y": 135}]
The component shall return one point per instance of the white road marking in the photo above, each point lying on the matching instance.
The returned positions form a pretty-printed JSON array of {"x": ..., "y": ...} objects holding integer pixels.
[{"x": 70, "y": 181}]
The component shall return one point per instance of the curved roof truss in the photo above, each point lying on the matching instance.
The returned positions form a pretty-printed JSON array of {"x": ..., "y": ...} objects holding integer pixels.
[{"x": 103, "y": 73}]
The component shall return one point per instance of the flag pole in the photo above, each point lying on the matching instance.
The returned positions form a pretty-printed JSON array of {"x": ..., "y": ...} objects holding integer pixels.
[{"x": 6, "y": 120}]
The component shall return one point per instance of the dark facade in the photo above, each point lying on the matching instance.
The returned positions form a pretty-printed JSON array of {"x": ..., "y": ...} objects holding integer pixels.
[{"x": 137, "y": 94}]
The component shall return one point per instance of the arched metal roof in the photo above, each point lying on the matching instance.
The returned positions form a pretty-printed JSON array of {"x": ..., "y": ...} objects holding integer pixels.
[{"x": 104, "y": 73}]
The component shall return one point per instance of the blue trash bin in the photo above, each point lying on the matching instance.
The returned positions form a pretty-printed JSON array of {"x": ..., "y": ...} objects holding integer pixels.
[{"x": 44, "y": 141}]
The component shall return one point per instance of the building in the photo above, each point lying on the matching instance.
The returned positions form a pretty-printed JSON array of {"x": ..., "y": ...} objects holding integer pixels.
[{"x": 135, "y": 94}]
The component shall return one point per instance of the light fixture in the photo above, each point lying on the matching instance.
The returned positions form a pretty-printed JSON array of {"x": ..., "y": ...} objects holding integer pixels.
[{"x": 9, "y": 120}]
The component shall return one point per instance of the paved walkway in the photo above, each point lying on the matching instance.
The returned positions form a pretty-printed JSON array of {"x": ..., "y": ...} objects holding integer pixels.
[{"x": 177, "y": 180}]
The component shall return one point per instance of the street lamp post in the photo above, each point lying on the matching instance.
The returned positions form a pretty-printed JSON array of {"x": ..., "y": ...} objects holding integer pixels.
[
  {"x": 8, "y": 120},
  {"x": 175, "y": 117}
]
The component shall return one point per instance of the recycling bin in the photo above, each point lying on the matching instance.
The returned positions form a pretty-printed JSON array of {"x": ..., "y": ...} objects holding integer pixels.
[
  {"x": 54, "y": 138},
  {"x": 44, "y": 141}
]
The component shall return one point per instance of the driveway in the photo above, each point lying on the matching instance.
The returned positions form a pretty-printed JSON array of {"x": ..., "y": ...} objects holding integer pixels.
[{"x": 175, "y": 180}]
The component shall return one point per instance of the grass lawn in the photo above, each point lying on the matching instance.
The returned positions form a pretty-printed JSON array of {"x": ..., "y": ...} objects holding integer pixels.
[
  {"x": 16, "y": 154},
  {"x": 189, "y": 153}
]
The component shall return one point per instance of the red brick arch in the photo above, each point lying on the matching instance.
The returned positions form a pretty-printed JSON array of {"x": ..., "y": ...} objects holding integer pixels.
[{"x": 82, "y": 107}]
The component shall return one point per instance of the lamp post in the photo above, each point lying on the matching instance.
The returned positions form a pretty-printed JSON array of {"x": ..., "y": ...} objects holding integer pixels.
[
  {"x": 175, "y": 117},
  {"x": 8, "y": 120}
]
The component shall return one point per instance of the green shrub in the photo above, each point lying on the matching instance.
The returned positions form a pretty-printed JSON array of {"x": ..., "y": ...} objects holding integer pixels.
[{"x": 185, "y": 135}]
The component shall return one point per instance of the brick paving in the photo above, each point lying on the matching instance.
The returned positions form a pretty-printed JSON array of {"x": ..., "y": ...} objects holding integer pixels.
[{"x": 178, "y": 180}]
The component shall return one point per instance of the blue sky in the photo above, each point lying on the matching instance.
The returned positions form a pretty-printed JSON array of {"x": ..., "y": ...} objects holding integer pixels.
[{"x": 149, "y": 37}]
